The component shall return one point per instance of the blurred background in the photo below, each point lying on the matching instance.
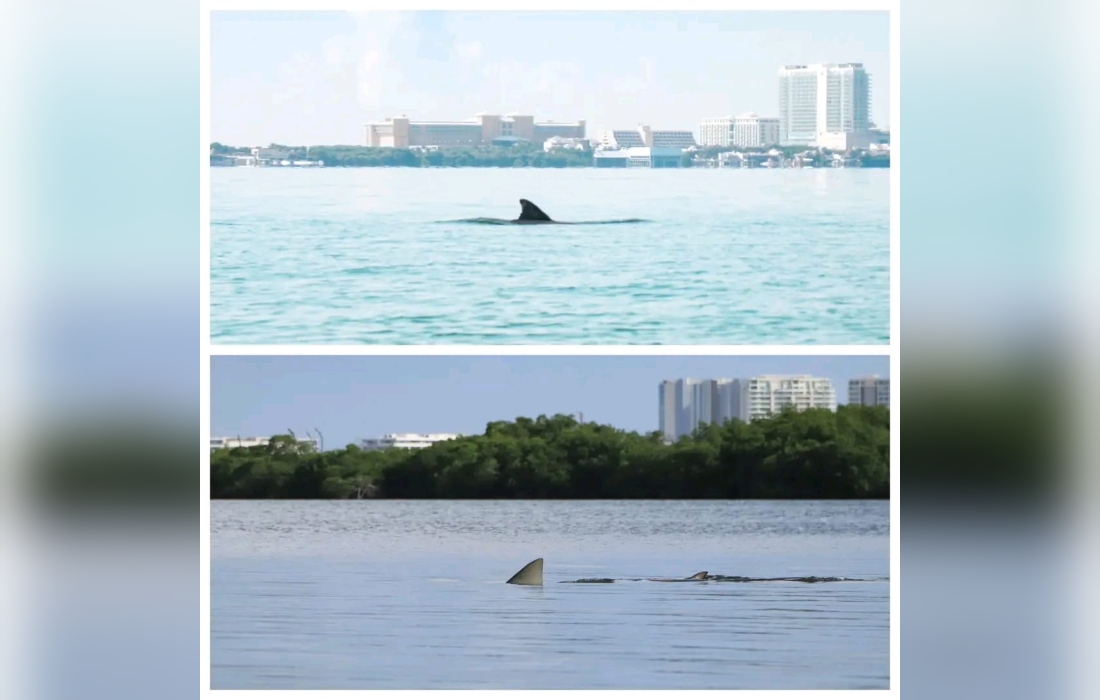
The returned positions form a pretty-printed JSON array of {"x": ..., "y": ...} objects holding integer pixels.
[{"x": 100, "y": 296}]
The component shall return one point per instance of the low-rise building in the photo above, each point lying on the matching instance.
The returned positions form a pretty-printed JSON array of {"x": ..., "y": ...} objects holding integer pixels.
[
  {"x": 402, "y": 132},
  {"x": 844, "y": 140},
  {"x": 640, "y": 157},
  {"x": 643, "y": 148},
  {"x": 570, "y": 144},
  {"x": 232, "y": 160},
  {"x": 221, "y": 443},
  {"x": 646, "y": 137},
  {"x": 733, "y": 159},
  {"x": 406, "y": 441}
]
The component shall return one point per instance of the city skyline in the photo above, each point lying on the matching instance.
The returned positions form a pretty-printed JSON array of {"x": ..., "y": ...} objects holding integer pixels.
[
  {"x": 317, "y": 78},
  {"x": 352, "y": 398},
  {"x": 685, "y": 404}
]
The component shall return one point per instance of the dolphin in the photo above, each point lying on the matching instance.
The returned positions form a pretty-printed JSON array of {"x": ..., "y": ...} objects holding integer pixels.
[{"x": 531, "y": 214}]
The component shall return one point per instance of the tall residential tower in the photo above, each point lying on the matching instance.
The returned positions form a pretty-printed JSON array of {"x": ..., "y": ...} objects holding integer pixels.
[{"x": 869, "y": 391}]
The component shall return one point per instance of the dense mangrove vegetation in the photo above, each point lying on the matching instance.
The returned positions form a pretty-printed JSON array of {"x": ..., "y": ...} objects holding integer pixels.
[{"x": 810, "y": 454}]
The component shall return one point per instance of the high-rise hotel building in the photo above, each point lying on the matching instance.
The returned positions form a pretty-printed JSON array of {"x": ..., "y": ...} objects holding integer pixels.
[{"x": 819, "y": 99}]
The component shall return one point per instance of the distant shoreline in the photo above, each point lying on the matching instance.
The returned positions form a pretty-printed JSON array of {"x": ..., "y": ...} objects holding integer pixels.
[
  {"x": 884, "y": 166},
  {"x": 529, "y": 156}
]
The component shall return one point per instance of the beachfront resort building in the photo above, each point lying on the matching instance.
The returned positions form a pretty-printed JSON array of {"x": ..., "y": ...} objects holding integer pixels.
[
  {"x": 818, "y": 99},
  {"x": 869, "y": 391},
  {"x": 406, "y": 441},
  {"x": 645, "y": 137},
  {"x": 483, "y": 130},
  {"x": 642, "y": 148},
  {"x": 686, "y": 404},
  {"x": 748, "y": 130}
]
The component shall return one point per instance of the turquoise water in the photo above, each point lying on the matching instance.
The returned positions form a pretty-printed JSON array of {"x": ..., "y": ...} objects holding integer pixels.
[
  {"x": 412, "y": 594},
  {"x": 383, "y": 255}
]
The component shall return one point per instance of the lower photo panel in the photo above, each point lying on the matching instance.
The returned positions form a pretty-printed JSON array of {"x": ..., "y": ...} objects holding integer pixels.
[{"x": 570, "y": 522}]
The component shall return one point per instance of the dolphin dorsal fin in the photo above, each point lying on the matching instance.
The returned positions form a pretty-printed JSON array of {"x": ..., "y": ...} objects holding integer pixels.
[
  {"x": 531, "y": 212},
  {"x": 530, "y": 575},
  {"x": 698, "y": 577}
]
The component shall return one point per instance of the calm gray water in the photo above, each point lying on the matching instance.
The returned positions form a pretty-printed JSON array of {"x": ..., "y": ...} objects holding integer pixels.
[
  {"x": 375, "y": 255},
  {"x": 407, "y": 594}
]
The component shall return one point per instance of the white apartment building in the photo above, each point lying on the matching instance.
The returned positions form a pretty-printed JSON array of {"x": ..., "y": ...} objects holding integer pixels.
[
  {"x": 716, "y": 132},
  {"x": 822, "y": 98},
  {"x": 406, "y": 441},
  {"x": 753, "y": 131},
  {"x": 869, "y": 391},
  {"x": 765, "y": 395},
  {"x": 748, "y": 130}
]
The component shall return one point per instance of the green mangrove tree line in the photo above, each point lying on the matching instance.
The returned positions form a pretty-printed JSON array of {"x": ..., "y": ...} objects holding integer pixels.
[{"x": 810, "y": 454}]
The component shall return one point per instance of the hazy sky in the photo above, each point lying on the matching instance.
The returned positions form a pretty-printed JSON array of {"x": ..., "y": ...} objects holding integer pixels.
[
  {"x": 350, "y": 398},
  {"x": 316, "y": 78}
]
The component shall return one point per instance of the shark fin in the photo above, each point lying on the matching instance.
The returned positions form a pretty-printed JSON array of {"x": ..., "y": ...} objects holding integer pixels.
[{"x": 530, "y": 575}]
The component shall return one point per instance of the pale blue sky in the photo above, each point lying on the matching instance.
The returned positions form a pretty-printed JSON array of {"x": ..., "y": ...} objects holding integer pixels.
[
  {"x": 316, "y": 78},
  {"x": 350, "y": 398}
]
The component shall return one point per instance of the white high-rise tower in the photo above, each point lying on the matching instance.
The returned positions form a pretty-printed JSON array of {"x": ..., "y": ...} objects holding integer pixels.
[{"x": 819, "y": 99}]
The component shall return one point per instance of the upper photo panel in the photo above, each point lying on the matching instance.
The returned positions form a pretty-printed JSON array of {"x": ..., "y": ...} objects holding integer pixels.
[{"x": 488, "y": 178}]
